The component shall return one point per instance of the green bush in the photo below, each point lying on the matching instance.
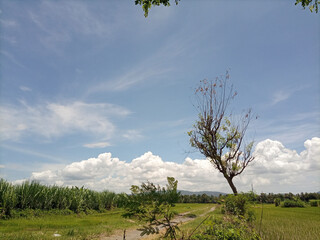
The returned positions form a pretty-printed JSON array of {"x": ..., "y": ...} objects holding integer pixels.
[
  {"x": 293, "y": 203},
  {"x": 230, "y": 228},
  {"x": 236, "y": 204}
]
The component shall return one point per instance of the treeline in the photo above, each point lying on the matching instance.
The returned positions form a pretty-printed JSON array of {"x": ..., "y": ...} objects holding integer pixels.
[
  {"x": 257, "y": 198},
  {"x": 198, "y": 198},
  {"x": 271, "y": 197},
  {"x": 33, "y": 195}
]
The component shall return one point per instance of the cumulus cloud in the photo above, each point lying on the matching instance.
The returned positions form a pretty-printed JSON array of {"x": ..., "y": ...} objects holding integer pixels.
[
  {"x": 276, "y": 169},
  {"x": 56, "y": 119}
]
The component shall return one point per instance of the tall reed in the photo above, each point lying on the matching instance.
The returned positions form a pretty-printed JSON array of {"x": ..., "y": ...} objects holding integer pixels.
[{"x": 33, "y": 195}]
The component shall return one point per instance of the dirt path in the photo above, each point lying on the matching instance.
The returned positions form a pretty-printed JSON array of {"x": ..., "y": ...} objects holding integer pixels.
[{"x": 134, "y": 234}]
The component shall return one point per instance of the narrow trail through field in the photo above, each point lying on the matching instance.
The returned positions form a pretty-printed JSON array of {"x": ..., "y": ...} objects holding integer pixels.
[{"x": 134, "y": 234}]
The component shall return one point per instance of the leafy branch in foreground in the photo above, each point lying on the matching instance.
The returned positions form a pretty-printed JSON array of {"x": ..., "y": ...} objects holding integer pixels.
[
  {"x": 146, "y": 4},
  {"x": 153, "y": 204},
  {"x": 312, "y": 4}
]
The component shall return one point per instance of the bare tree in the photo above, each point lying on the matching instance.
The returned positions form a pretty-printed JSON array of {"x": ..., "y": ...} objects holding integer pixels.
[{"x": 218, "y": 134}]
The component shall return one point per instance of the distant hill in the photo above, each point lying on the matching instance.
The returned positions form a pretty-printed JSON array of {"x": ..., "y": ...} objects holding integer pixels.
[{"x": 209, "y": 193}]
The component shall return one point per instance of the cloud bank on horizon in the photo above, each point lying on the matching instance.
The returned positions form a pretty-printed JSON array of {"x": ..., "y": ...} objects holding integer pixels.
[{"x": 275, "y": 169}]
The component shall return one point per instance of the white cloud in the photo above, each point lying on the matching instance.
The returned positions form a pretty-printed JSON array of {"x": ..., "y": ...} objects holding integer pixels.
[
  {"x": 293, "y": 129},
  {"x": 97, "y": 145},
  {"x": 132, "y": 135},
  {"x": 8, "y": 23},
  {"x": 139, "y": 74},
  {"x": 33, "y": 153},
  {"x": 276, "y": 169},
  {"x": 62, "y": 22},
  {"x": 153, "y": 67},
  {"x": 25, "y": 89},
  {"x": 12, "y": 58},
  {"x": 284, "y": 169},
  {"x": 282, "y": 95},
  {"x": 55, "y": 119}
]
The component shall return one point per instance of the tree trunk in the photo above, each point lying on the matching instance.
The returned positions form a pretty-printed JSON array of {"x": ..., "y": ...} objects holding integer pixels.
[{"x": 233, "y": 187}]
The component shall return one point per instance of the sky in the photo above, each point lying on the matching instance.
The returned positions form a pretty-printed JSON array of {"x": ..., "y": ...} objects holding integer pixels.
[{"x": 94, "y": 94}]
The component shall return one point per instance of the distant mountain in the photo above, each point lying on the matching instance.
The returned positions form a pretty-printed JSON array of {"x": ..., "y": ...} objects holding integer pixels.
[{"x": 209, "y": 193}]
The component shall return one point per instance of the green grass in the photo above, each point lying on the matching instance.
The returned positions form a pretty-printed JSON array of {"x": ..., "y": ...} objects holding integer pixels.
[
  {"x": 70, "y": 227},
  {"x": 201, "y": 214},
  {"x": 288, "y": 223},
  {"x": 277, "y": 223},
  {"x": 75, "y": 226}
]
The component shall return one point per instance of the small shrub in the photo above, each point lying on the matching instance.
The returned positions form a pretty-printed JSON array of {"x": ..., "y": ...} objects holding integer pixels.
[
  {"x": 314, "y": 203},
  {"x": 153, "y": 205},
  {"x": 236, "y": 205},
  {"x": 293, "y": 203},
  {"x": 277, "y": 202}
]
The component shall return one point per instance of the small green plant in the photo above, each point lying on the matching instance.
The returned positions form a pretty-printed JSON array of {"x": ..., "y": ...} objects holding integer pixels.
[{"x": 153, "y": 204}]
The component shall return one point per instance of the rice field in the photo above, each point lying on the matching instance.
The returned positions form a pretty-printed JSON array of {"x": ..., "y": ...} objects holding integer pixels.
[{"x": 288, "y": 223}]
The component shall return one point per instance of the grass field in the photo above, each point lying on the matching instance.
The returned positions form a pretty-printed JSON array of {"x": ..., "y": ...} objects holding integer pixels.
[
  {"x": 288, "y": 223},
  {"x": 277, "y": 223},
  {"x": 76, "y": 226}
]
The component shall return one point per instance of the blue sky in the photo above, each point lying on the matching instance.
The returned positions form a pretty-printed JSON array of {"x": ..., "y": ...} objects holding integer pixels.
[{"x": 83, "y": 78}]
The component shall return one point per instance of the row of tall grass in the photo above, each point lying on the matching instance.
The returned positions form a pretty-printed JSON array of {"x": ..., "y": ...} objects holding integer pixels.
[{"x": 33, "y": 195}]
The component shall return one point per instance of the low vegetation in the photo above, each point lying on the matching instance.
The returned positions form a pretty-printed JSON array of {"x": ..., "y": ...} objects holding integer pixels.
[
  {"x": 153, "y": 205},
  {"x": 93, "y": 225},
  {"x": 35, "y": 211}
]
